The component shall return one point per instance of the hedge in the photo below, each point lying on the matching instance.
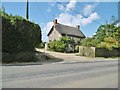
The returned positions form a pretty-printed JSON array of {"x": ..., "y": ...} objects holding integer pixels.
[{"x": 18, "y": 35}]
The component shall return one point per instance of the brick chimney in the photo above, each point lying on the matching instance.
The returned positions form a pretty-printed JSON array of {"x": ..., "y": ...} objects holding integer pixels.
[
  {"x": 78, "y": 26},
  {"x": 55, "y": 22}
]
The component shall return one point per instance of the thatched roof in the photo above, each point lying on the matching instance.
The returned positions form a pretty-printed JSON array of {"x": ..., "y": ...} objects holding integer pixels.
[{"x": 67, "y": 30}]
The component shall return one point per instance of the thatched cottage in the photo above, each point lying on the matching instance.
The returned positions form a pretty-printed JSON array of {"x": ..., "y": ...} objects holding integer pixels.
[{"x": 58, "y": 30}]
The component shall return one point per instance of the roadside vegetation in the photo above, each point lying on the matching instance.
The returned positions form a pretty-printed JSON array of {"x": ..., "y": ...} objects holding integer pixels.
[
  {"x": 106, "y": 40},
  {"x": 19, "y": 39},
  {"x": 107, "y": 36}
]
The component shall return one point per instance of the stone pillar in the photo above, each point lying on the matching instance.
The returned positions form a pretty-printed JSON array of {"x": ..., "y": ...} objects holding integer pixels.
[
  {"x": 81, "y": 50},
  {"x": 46, "y": 46}
]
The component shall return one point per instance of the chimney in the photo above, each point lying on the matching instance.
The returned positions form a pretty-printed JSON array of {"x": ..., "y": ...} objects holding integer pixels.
[
  {"x": 78, "y": 26},
  {"x": 55, "y": 22}
]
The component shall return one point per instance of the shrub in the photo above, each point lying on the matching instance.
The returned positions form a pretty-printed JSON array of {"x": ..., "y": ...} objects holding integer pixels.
[
  {"x": 18, "y": 37},
  {"x": 60, "y": 45},
  {"x": 19, "y": 34}
]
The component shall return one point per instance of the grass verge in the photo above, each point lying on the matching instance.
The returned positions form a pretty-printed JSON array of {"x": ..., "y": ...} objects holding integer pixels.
[{"x": 28, "y": 57}]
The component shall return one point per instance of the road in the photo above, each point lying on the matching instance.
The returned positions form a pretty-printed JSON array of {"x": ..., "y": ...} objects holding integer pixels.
[{"x": 62, "y": 75}]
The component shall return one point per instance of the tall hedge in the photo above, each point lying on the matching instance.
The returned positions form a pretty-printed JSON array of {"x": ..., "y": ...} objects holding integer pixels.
[{"x": 19, "y": 34}]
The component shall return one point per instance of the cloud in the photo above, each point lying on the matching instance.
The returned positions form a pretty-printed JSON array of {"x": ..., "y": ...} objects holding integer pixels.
[
  {"x": 90, "y": 19},
  {"x": 73, "y": 20},
  {"x": 69, "y": 6},
  {"x": 88, "y": 9},
  {"x": 68, "y": 19}
]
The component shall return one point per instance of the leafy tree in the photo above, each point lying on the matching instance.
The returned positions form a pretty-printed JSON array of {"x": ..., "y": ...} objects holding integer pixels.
[
  {"x": 109, "y": 43},
  {"x": 107, "y": 36}
]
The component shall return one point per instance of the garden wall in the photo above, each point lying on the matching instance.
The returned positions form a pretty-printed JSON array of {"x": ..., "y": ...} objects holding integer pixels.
[
  {"x": 98, "y": 52},
  {"x": 102, "y": 52}
]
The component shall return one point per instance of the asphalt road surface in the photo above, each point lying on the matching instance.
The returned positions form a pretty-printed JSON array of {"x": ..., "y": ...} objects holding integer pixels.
[{"x": 62, "y": 75}]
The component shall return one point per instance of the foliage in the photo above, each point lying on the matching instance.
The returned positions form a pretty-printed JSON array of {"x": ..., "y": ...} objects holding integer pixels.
[
  {"x": 107, "y": 36},
  {"x": 109, "y": 43},
  {"x": 19, "y": 34},
  {"x": 87, "y": 42},
  {"x": 57, "y": 46},
  {"x": 60, "y": 45}
]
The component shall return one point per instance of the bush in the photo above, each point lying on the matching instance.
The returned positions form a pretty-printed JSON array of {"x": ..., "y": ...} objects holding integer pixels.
[
  {"x": 57, "y": 46},
  {"x": 61, "y": 45},
  {"x": 19, "y": 34}
]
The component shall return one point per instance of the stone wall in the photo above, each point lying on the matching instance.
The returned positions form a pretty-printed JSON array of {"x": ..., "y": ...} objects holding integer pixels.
[
  {"x": 98, "y": 52},
  {"x": 102, "y": 52}
]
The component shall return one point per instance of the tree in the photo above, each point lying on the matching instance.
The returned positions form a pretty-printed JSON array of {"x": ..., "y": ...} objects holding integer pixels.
[{"x": 107, "y": 36}]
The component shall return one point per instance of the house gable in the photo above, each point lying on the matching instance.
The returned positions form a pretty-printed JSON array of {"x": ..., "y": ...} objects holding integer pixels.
[{"x": 54, "y": 35}]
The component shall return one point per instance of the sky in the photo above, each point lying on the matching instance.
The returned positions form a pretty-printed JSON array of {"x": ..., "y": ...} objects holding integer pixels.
[{"x": 89, "y": 15}]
